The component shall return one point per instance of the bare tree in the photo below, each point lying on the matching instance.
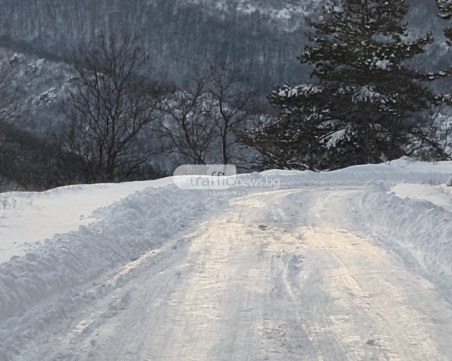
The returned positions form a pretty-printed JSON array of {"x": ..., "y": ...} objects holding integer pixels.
[
  {"x": 187, "y": 122},
  {"x": 234, "y": 104},
  {"x": 201, "y": 121},
  {"x": 433, "y": 141},
  {"x": 110, "y": 105}
]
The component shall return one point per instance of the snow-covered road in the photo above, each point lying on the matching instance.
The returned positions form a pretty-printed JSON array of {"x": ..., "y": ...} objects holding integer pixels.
[{"x": 281, "y": 275}]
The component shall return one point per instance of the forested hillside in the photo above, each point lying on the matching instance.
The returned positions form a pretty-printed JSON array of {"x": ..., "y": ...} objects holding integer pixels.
[{"x": 262, "y": 37}]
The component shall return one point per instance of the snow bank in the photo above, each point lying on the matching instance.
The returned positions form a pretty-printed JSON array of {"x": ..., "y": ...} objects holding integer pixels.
[
  {"x": 419, "y": 231},
  {"x": 124, "y": 232},
  {"x": 404, "y": 170},
  {"x": 439, "y": 195},
  {"x": 29, "y": 217},
  {"x": 449, "y": 182}
]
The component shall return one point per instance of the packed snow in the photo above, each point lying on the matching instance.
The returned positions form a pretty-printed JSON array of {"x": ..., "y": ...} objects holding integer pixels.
[
  {"x": 27, "y": 218},
  {"x": 354, "y": 264}
]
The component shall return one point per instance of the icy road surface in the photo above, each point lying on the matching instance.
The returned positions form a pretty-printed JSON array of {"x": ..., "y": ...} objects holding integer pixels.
[{"x": 278, "y": 275}]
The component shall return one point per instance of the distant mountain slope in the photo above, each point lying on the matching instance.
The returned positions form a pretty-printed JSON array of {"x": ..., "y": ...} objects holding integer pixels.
[
  {"x": 182, "y": 35},
  {"x": 261, "y": 36}
]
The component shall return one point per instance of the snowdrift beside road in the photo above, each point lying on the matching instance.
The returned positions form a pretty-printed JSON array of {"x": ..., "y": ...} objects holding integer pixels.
[
  {"x": 124, "y": 232},
  {"x": 403, "y": 170},
  {"x": 26, "y": 218},
  {"x": 417, "y": 230}
]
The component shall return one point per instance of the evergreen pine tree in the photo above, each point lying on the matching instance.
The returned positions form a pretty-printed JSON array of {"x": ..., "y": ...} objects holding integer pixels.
[{"x": 364, "y": 101}]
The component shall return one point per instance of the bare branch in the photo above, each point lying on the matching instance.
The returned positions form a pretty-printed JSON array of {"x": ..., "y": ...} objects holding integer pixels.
[{"x": 110, "y": 105}]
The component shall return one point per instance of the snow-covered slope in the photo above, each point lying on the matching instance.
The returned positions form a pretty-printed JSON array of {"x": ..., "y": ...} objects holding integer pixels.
[
  {"x": 156, "y": 272},
  {"x": 287, "y": 13},
  {"x": 40, "y": 85}
]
